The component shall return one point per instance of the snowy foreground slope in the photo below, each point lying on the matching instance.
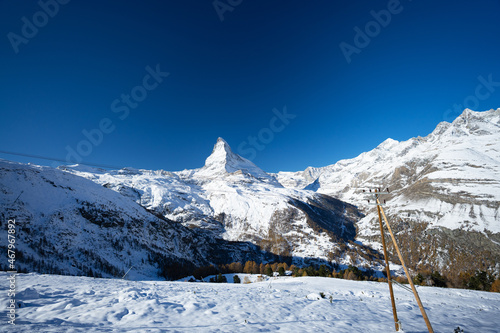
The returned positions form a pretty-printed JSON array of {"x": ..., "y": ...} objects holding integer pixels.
[{"x": 51, "y": 303}]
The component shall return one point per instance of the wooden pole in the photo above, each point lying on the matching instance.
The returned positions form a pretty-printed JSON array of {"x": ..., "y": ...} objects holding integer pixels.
[
  {"x": 417, "y": 298},
  {"x": 388, "y": 270}
]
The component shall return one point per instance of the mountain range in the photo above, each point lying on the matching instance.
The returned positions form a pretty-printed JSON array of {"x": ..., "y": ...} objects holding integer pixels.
[
  {"x": 443, "y": 205},
  {"x": 444, "y": 199}
]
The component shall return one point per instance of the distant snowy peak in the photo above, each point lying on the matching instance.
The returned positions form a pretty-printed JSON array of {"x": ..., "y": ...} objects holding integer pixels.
[
  {"x": 478, "y": 123},
  {"x": 224, "y": 161},
  {"x": 469, "y": 123},
  {"x": 388, "y": 144},
  {"x": 471, "y": 115}
]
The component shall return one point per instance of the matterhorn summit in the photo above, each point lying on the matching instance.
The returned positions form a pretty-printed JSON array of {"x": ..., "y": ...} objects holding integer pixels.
[{"x": 224, "y": 161}]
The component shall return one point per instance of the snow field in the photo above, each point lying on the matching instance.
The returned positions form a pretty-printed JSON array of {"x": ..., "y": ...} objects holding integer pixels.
[{"x": 51, "y": 303}]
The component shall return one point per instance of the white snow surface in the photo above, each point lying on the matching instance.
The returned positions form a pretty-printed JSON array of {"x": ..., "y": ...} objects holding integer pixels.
[{"x": 52, "y": 303}]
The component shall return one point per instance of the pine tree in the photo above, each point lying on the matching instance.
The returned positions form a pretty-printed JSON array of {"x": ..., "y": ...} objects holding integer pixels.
[
  {"x": 236, "y": 279},
  {"x": 438, "y": 280},
  {"x": 481, "y": 280},
  {"x": 323, "y": 271},
  {"x": 281, "y": 271},
  {"x": 310, "y": 271},
  {"x": 418, "y": 279}
]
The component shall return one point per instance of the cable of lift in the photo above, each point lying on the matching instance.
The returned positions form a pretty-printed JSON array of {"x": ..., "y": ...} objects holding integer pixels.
[{"x": 106, "y": 166}]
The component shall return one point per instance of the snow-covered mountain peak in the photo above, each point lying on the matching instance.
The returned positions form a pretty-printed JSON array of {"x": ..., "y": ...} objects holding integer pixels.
[
  {"x": 388, "y": 144},
  {"x": 477, "y": 123},
  {"x": 469, "y": 114},
  {"x": 221, "y": 155},
  {"x": 224, "y": 161}
]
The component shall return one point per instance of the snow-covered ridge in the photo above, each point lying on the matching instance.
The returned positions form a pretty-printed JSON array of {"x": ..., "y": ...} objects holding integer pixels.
[{"x": 461, "y": 159}]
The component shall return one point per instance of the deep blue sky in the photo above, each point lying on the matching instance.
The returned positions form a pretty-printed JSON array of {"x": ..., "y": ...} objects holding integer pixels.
[{"x": 226, "y": 77}]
